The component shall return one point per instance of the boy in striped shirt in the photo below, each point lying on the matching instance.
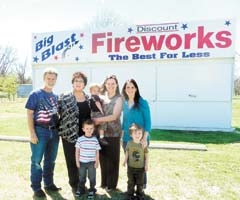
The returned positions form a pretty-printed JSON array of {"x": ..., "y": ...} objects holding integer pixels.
[{"x": 87, "y": 159}]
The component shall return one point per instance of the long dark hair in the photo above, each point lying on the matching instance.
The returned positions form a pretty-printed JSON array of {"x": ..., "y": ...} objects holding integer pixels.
[{"x": 137, "y": 94}]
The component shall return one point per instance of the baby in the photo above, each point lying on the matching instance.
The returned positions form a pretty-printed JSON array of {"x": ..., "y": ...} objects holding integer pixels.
[{"x": 97, "y": 111}]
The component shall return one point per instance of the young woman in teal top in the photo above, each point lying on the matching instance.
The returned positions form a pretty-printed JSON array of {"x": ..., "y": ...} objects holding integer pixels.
[{"x": 135, "y": 110}]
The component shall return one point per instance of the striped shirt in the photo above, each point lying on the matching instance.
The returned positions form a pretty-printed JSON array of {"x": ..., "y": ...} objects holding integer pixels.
[{"x": 88, "y": 148}]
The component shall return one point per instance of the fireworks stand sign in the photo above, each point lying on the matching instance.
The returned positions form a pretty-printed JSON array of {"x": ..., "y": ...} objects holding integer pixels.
[{"x": 184, "y": 69}]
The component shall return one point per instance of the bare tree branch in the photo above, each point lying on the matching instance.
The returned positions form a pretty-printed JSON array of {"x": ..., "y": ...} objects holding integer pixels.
[
  {"x": 8, "y": 58},
  {"x": 21, "y": 72}
]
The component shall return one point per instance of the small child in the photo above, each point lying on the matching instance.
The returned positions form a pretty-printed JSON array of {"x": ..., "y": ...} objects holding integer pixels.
[
  {"x": 97, "y": 111},
  {"x": 136, "y": 158},
  {"x": 87, "y": 158}
]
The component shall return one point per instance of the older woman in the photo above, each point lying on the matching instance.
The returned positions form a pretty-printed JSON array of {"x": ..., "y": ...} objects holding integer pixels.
[
  {"x": 74, "y": 109},
  {"x": 110, "y": 154},
  {"x": 135, "y": 110}
]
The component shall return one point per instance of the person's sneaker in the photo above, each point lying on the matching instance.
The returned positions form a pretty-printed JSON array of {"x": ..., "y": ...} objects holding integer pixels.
[
  {"x": 52, "y": 188},
  {"x": 90, "y": 195},
  {"x": 39, "y": 193},
  {"x": 78, "y": 194},
  {"x": 103, "y": 141}
]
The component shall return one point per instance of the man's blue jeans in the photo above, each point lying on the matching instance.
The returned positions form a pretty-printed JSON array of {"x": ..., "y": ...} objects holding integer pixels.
[{"x": 46, "y": 147}]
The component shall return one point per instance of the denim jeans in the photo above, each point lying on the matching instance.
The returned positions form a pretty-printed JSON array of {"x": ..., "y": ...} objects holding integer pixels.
[
  {"x": 87, "y": 168},
  {"x": 46, "y": 147}
]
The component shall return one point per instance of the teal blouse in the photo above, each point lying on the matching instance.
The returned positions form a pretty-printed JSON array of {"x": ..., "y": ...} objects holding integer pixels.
[{"x": 140, "y": 116}]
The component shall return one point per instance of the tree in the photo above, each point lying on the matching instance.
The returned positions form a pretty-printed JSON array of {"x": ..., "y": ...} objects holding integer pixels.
[
  {"x": 1, "y": 83},
  {"x": 237, "y": 87},
  {"x": 20, "y": 71},
  {"x": 8, "y": 85},
  {"x": 8, "y": 58}
]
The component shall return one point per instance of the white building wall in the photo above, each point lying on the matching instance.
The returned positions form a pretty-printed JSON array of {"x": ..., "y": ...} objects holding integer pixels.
[{"x": 194, "y": 95}]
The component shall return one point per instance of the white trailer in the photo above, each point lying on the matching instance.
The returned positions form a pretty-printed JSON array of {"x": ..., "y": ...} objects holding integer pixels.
[{"x": 184, "y": 69}]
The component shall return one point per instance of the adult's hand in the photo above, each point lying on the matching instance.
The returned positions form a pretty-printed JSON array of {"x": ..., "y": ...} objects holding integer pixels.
[
  {"x": 144, "y": 142},
  {"x": 33, "y": 138},
  {"x": 96, "y": 121}
]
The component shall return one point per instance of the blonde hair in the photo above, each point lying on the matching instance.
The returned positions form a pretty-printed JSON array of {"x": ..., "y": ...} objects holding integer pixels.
[
  {"x": 50, "y": 70},
  {"x": 135, "y": 127},
  {"x": 92, "y": 85}
]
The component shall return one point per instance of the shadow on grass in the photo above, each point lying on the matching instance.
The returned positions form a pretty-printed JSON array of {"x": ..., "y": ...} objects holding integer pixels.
[
  {"x": 51, "y": 195},
  {"x": 118, "y": 195},
  {"x": 114, "y": 195},
  {"x": 203, "y": 137}
]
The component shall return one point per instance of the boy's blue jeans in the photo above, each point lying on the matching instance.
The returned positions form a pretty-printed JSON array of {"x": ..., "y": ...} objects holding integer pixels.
[
  {"x": 46, "y": 147},
  {"x": 87, "y": 168}
]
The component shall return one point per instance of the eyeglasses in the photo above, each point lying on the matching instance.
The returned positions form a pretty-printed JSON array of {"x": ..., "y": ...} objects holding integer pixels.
[{"x": 78, "y": 81}]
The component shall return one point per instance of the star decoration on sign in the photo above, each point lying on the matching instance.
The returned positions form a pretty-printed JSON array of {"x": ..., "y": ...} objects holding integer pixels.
[
  {"x": 81, "y": 46},
  {"x": 184, "y": 26},
  {"x": 227, "y": 23},
  {"x": 130, "y": 30},
  {"x": 35, "y": 59},
  {"x": 56, "y": 57},
  {"x": 81, "y": 35}
]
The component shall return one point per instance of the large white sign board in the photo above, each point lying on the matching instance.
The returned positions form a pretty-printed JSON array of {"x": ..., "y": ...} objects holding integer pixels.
[{"x": 184, "y": 69}]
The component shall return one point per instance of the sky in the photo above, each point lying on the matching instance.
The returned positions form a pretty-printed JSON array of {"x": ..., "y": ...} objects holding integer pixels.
[{"x": 19, "y": 19}]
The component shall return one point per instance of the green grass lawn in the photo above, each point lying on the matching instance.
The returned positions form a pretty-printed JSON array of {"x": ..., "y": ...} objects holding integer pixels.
[
  {"x": 173, "y": 174},
  {"x": 13, "y": 119}
]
